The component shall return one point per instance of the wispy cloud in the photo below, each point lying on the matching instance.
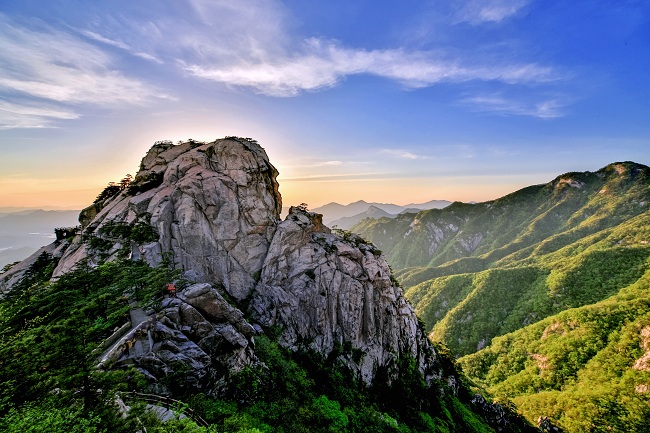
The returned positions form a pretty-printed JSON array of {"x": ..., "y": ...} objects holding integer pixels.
[
  {"x": 482, "y": 11},
  {"x": 546, "y": 109},
  {"x": 402, "y": 153},
  {"x": 298, "y": 165},
  {"x": 27, "y": 116},
  {"x": 253, "y": 45},
  {"x": 99, "y": 38},
  {"x": 340, "y": 177},
  {"x": 321, "y": 64},
  {"x": 119, "y": 44},
  {"x": 46, "y": 64},
  {"x": 333, "y": 163}
]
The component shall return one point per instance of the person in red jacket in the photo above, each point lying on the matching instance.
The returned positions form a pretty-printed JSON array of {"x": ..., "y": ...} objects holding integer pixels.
[{"x": 171, "y": 290}]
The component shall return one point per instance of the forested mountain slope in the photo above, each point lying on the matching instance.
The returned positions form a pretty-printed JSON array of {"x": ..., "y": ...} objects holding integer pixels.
[
  {"x": 543, "y": 294},
  {"x": 491, "y": 268},
  {"x": 541, "y": 218},
  {"x": 587, "y": 368},
  {"x": 467, "y": 310}
]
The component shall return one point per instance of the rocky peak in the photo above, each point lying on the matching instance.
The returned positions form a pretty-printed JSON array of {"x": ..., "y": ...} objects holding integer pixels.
[
  {"x": 298, "y": 213},
  {"x": 625, "y": 168},
  {"x": 214, "y": 210}
]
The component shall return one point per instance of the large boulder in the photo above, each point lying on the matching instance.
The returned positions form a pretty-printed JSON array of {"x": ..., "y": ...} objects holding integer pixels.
[{"x": 193, "y": 343}]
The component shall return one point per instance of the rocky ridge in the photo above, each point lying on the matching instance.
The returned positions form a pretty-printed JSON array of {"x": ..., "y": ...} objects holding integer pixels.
[{"x": 213, "y": 210}]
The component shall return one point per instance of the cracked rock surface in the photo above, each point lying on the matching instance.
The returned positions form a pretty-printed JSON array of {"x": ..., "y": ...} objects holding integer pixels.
[{"x": 215, "y": 211}]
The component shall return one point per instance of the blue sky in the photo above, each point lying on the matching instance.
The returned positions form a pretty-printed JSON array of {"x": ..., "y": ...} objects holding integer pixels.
[{"x": 394, "y": 101}]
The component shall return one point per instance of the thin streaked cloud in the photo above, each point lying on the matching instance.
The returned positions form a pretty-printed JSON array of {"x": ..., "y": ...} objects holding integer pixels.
[
  {"x": 483, "y": 11},
  {"x": 545, "y": 109},
  {"x": 402, "y": 153},
  {"x": 26, "y": 115},
  {"x": 333, "y": 163},
  {"x": 322, "y": 64},
  {"x": 222, "y": 46},
  {"x": 338, "y": 177},
  {"x": 48, "y": 65},
  {"x": 311, "y": 163},
  {"x": 121, "y": 45},
  {"x": 99, "y": 38}
]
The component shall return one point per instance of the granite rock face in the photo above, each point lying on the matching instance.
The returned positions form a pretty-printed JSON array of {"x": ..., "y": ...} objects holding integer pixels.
[
  {"x": 324, "y": 290},
  {"x": 213, "y": 206},
  {"x": 192, "y": 343},
  {"x": 213, "y": 210}
]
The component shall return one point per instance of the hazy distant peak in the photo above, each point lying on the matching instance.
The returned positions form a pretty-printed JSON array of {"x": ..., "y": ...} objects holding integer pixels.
[
  {"x": 374, "y": 209},
  {"x": 334, "y": 212}
]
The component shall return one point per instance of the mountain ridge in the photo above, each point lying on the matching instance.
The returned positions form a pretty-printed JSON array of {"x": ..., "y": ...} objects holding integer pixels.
[
  {"x": 334, "y": 211},
  {"x": 211, "y": 212},
  {"x": 538, "y": 290},
  {"x": 440, "y": 241}
]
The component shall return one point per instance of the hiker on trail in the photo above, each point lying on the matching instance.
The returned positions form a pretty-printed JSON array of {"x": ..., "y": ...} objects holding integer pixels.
[{"x": 171, "y": 290}]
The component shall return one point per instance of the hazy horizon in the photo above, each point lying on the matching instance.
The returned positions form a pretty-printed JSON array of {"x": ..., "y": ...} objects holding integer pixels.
[{"x": 382, "y": 101}]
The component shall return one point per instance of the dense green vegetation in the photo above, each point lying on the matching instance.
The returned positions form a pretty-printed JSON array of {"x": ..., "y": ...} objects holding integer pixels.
[
  {"x": 300, "y": 392},
  {"x": 587, "y": 368},
  {"x": 474, "y": 272},
  {"x": 549, "y": 286},
  {"x": 48, "y": 332},
  {"x": 466, "y": 311},
  {"x": 48, "y": 381},
  {"x": 542, "y": 218}
]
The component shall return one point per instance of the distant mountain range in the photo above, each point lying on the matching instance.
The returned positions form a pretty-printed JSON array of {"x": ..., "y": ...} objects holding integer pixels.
[
  {"x": 345, "y": 216},
  {"x": 23, "y": 231},
  {"x": 543, "y": 293}
]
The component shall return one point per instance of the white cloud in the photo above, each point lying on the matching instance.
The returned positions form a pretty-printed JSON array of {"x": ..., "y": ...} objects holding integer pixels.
[
  {"x": 301, "y": 164},
  {"x": 119, "y": 44},
  {"x": 321, "y": 64},
  {"x": 327, "y": 164},
  {"x": 340, "y": 177},
  {"x": 99, "y": 38},
  {"x": 147, "y": 56},
  {"x": 253, "y": 45},
  {"x": 550, "y": 108},
  {"x": 27, "y": 116},
  {"x": 51, "y": 65},
  {"x": 402, "y": 153},
  {"x": 481, "y": 11}
]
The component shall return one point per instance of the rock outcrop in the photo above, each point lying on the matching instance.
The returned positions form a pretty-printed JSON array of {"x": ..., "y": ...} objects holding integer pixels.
[
  {"x": 192, "y": 343},
  {"x": 213, "y": 210},
  {"x": 325, "y": 290}
]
